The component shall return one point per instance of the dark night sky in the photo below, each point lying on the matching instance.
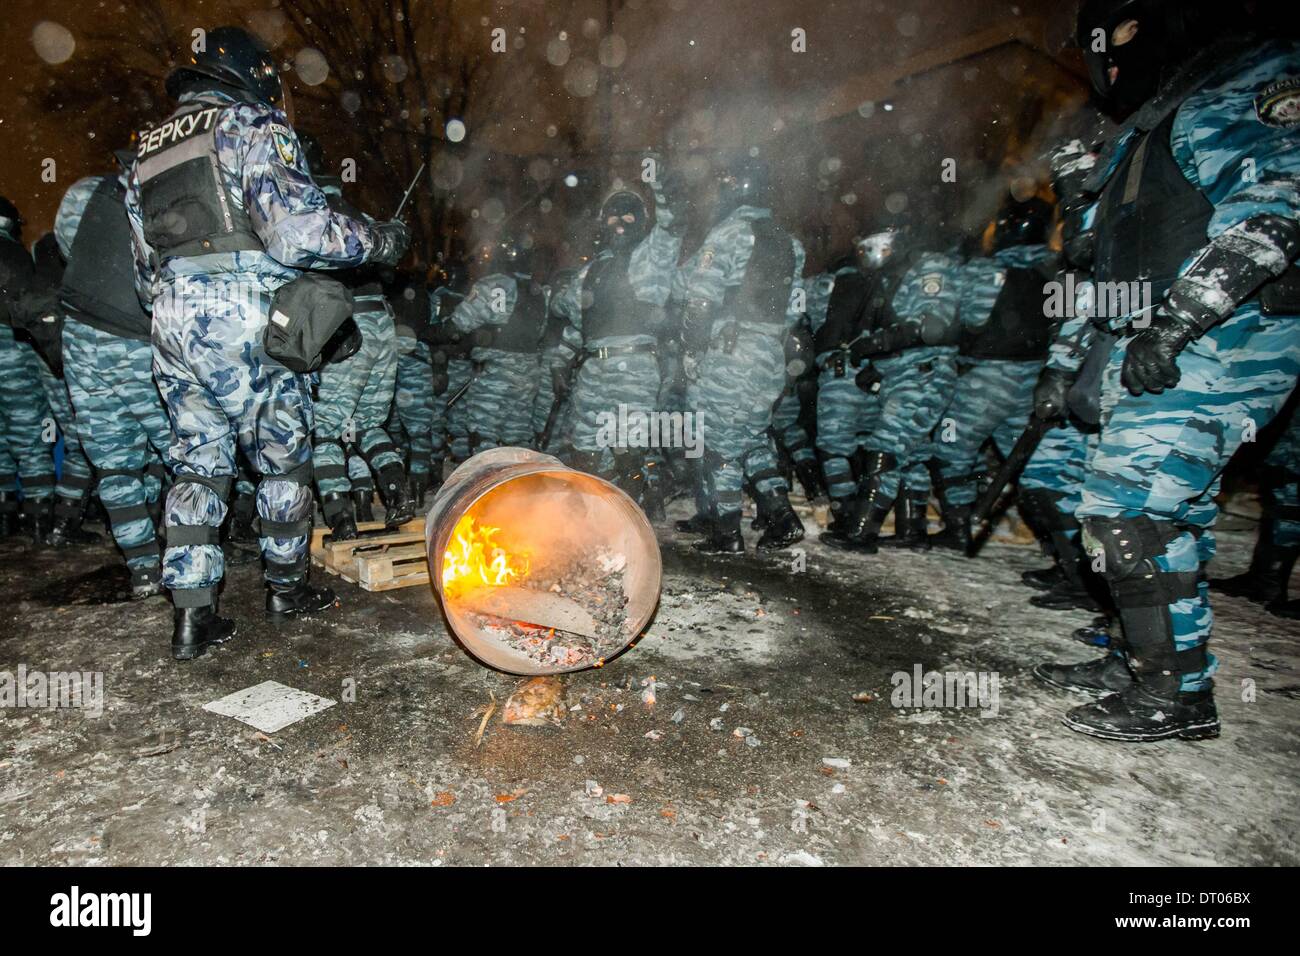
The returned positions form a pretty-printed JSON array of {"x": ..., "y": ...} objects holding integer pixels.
[{"x": 689, "y": 76}]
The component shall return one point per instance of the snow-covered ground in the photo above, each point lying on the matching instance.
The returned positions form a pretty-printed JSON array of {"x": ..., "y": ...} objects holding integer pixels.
[{"x": 771, "y": 739}]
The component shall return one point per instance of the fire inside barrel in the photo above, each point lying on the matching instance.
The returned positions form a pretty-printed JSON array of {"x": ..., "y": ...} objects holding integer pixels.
[{"x": 542, "y": 569}]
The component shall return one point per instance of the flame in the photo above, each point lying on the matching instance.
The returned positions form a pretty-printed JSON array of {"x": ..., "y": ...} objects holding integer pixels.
[{"x": 473, "y": 559}]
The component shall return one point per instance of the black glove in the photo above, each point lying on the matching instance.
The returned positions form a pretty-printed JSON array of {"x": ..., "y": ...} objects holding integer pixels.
[
  {"x": 1151, "y": 361},
  {"x": 869, "y": 379},
  {"x": 809, "y": 473},
  {"x": 390, "y": 242},
  {"x": 441, "y": 382},
  {"x": 1050, "y": 392}
]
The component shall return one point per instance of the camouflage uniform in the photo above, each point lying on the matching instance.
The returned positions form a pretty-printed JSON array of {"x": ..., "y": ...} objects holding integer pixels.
[
  {"x": 842, "y": 408},
  {"x": 210, "y": 313},
  {"x": 497, "y": 408},
  {"x": 110, "y": 381},
  {"x": 736, "y": 387},
  {"x": 353, "y": 401},
  {"x": 994, "y": 396},
  {"x": 916, "y": 383},
  {"x": 619, "y": 365},
  {"x": 24, "y": 422},
  {"x": 1148, "y": 493}
]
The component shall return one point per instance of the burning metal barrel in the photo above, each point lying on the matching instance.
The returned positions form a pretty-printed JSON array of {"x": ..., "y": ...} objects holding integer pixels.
[{"x": 540, "y": 569}]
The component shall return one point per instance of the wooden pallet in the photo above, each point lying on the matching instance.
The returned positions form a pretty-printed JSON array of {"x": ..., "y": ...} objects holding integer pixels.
[{"x": 377, "y": 559}]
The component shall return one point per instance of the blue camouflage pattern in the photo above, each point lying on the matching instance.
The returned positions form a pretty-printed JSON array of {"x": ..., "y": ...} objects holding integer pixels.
[
  {"x": 221, "y": 391},
  {"x": 353, "y": 399},
  {"x": 110, "y": 380},
  {"x": 735, "y": 392},
  {"x": 498, "y": 405},
  {"x": 1161, "y": 455},
  {"x": 25, "y": 420}
]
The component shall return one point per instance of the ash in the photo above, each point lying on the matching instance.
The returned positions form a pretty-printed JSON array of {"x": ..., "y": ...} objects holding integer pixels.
[{"x": 593, "y": 581}]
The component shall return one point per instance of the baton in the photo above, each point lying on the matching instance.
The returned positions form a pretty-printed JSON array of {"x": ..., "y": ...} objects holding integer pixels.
[{"x": 407, "y": 196}]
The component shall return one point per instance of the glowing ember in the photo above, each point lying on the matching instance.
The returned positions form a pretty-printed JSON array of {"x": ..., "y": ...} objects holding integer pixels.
[{"x": 473, "y": 559}]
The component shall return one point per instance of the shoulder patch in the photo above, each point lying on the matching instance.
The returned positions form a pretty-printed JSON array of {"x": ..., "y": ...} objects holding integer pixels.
[
  {"x": 286, "y": 144},
  {"x": 706, "y": 258},
  {"x": 1278, "y": 104},
  {"x": 932, "y": 283}
]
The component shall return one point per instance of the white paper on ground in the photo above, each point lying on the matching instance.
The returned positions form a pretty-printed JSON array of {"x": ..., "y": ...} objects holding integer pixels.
[{"x": 269, "y": 706}]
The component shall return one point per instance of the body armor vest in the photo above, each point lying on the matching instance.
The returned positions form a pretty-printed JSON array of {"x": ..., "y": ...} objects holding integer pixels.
[
  {"x": 1017, "y": 328},
  {"x": 611, "y": 304},
  {"x": 763, "y": 295},
  {"x": 523, "y": 331},
  {"x": 845, "y": 312},
  {"x": 1149, "y": 217},
  {"x": 99, "y": 283},
  {"x": 186, "y": 207}
]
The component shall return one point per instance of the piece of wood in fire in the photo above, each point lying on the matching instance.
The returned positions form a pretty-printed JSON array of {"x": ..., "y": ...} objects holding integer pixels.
[{"x": 543, "y": 609}]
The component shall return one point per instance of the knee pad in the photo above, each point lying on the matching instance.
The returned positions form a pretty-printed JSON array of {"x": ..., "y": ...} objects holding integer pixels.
[
  {"x": 1129, "y": 548},
  {"x": 189, "y": 535},
  {"x": 875, "y": 463},
  {"x": 290, "y": 495}
]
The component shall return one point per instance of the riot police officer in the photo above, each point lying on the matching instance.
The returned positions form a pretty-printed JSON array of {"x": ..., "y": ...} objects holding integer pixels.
[{"x": 224, "y": 215}]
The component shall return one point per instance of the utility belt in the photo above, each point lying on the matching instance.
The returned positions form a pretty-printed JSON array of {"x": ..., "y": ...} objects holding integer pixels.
[{"x": 610, "y": 351}]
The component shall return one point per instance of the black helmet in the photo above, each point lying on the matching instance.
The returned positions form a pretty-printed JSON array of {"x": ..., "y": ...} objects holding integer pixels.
[
  {"x": 631, "y": 223},
  {"x": 231, "y": 56},
  {"x": 745, "y": 182},
  {"x": 1022, "y": 223},
  {"x": 1130, "y": 45},
  {"x": 11, "y": 223}
]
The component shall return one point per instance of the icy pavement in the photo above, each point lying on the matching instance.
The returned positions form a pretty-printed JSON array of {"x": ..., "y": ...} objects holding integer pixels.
[{"x": 753, "y": 724}]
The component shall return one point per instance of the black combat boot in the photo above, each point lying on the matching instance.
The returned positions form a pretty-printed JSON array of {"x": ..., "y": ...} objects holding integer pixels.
[
  {"x": 417, "y": 486},
  {"x": 8, "y": 514},
  {"x": 38, "y": 519},
  {"x": 841, "y": 511},
  {"x": 1042, "y": 579},
  {"x": 1270, "y": 569},
  {"x": 363, "y": 503},
  {"x": 809, "y": 473},
  {"x": 1038, "y": 508},
  {"x": 287, "y": 599},
  {"x": 1155, "y": 706},
  {"x": 1098, "y": 633},
  {"x": 698, "y": 523},
  {"x": 1072, "y": 591},
  {"x": 398, "y": 507},
  {"x": 860, "y": 530},
  {"x": 956, "y": 529},
  {"x": 1104, "y": 675},
  {"x": 339, "y": 512},
  {"x": 1138, "y": 715},
  {"x": 724, "y": 536},
  {"x": 195, "y": 629},
  {"x": 146, "y": 582},
  {"x": 911, "y": 528},
  {"x": 783, "y": 526},
  {"x": 66, "y": 530}
]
